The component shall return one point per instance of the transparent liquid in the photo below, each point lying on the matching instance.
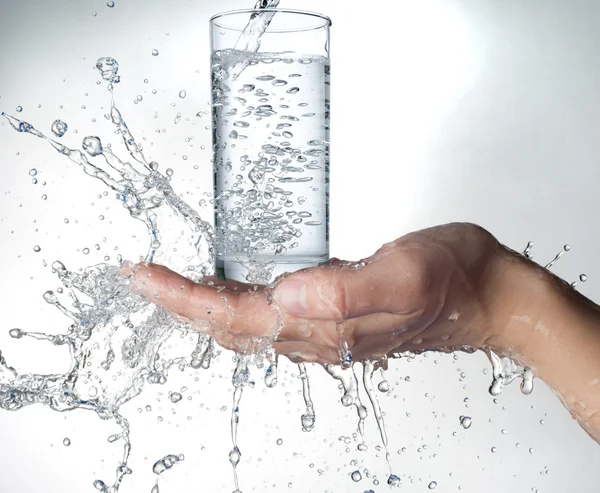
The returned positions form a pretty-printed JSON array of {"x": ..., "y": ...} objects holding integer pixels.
[{"x": 271, "y": 161}]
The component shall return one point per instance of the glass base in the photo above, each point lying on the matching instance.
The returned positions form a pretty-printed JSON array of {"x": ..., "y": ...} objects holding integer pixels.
[{"x": 236, "y": 267}]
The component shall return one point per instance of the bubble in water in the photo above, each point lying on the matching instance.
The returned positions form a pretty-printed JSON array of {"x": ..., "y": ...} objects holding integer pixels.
[
  {"x": 66, "y": 442},
  {"x": 86, "y": 251},
  {"x": 32, "y": 172},
  {"x": 567, "y": 248},
  {"x": 356, "y": 476},
  {"x": 383, "y": 386},
  {"x": 59, "y": 128},
  {"x": 432, "y": 485},
  {"x": 19, "y": 109},
  {"x": 465, "y": 422},
  {"x": 175, "y": 397},
  {"x": 182, "y": 94},
  {"x": 92, "y": 145},
  {"x": 583, "y": 278},
  {"x": 110, "y": 4},
  {"x": 108, "y": 68},
  {"x": 154, "y": 52},
  {"x": 36, "y": 248}
]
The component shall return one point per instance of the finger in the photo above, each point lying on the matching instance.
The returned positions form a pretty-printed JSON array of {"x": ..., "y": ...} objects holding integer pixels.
[
  {"x": 393, "y": 281},
  {"x": 248, "y": 313}
]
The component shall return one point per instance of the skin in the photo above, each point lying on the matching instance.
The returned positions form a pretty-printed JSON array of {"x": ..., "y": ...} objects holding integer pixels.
[{"x": 448, "y": 287}]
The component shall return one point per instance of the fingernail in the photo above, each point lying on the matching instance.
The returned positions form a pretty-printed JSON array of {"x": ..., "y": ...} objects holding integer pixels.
[{"x": 290, "y": 295}]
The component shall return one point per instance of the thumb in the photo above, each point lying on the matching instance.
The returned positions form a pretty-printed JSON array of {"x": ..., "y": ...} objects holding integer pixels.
[{"x": 391, "y": 283}]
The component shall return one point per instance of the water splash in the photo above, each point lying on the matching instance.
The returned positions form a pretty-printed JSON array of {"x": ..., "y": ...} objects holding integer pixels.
[
  {"x": 505, "y": 370},
  {"x": 368, "y": 368},
  {"x": 347, "y": 377},
  {"x": 308, "y": 418}
]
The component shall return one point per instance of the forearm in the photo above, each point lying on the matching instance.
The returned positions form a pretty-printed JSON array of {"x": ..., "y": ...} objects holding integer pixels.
[{"x": 555, "y": 331}]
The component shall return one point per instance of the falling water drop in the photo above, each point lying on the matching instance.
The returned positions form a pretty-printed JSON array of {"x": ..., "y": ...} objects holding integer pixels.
[
  {"x": 59, "y": 128},
  {"x": 383, "y": 386},
  {"x": 356, "y": 476}
]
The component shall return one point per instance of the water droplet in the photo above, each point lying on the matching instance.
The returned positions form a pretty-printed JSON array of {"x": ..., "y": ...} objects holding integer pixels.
[
  {"x": 567, "y": 248},
  {"x": 465, "y": 422},
  {"x": 16, "y": 333},
  {"x": 36, "y": 248},
  {"x": 19, "y": 109},
  {"x": 110, "y": 4},
  {"x": 393, "y": 480},
  {"x": 44, "y": 197},
  {"x": 293, "y": 90},
  {"x": 59, "y": 128},
  {"x": 356, "y": 476},
  {"x": 86, "y": 251},
  {"x": 154, "y": 52},
  {"x": 432, "y": 485},
  {"x": 493, "y": 449},
  {"x": 383, "y": 386},
  {"x": 279, "y": 441},
  {"x": 33, "y": 172},
  {"x": 169, "y": 172},
  {"x": 175, "y": 397},
  {"x": 92, "y": 145},
  {"x": 108, "y": 68},
  {"x": 583, "y": 277},
  {"x": 182, "y": 94},
  {"x": 66, "y": 442}
]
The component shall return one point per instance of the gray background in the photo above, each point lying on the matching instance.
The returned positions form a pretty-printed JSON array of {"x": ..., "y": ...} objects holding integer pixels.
[{"x": 483, "y": 111}]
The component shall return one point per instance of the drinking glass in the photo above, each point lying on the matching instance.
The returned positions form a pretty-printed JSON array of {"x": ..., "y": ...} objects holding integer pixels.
[{"x": 270, "y": 120}]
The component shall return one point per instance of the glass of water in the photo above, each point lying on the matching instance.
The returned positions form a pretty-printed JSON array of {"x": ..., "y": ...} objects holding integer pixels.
[{"x": 270, "y": 119}]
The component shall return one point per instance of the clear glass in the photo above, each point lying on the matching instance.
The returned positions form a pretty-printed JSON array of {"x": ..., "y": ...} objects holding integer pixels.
[{"x": 270, "y": 110}]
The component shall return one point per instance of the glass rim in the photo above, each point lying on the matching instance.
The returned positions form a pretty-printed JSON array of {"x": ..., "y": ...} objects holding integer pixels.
[{"x": 326, "y": 20}]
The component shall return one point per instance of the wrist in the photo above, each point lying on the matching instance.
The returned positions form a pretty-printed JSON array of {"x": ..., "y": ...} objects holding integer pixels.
[{"x": 517, "y": 291}]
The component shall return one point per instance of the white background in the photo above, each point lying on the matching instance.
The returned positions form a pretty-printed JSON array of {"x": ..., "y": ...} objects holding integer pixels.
[{"x": 448, "y": 110}]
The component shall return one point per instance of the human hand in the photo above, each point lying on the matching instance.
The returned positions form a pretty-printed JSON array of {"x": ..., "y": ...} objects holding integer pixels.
[{"x": 427, "y": 290}]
